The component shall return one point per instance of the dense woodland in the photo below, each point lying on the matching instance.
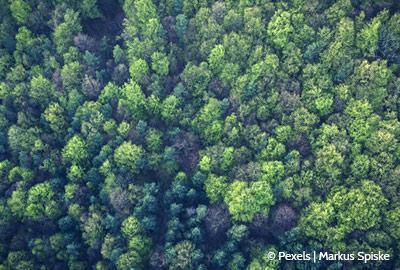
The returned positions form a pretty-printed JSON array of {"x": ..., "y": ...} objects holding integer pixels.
[{"x": 198, "y": 134}]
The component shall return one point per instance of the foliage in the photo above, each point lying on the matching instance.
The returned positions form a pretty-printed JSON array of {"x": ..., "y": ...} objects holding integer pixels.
[
  {"x": 129, "y": 156},
  {"x": 181, "y": 134}
]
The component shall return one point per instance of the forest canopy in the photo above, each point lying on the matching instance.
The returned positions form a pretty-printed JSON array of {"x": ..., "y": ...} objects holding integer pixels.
[{"x": 183, "y": 134}]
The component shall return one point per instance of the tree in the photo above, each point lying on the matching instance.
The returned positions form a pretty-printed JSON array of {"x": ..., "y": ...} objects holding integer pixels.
[
  {"x": 17, "y": 202},
  {"x": 207, "y": 128},
  {"x": 54, "y": 115},
  {"x": 392, "y": 219},
  {"x": 169, "y": 164},
  {"x": 138, "y": 245},
  {"x": 71, "y": 75},
  {"x": 75, "y": 151},
  {"x": 66, "y": 31},
  {"x": 389, "y": 39},
  {"x": 381, "y": 141},
  {"x": 345, "y": 211},
  {"x": 160, "y": 63},
  {"x": 217, "y": 221},
  {"x": 19, "y": 260},
  {"x": 284, "y": 218},
  {"x": 41, "y": 91},
  {"x": 303, "y": 120},
  {"x": 23, "y": 141},
  {"x": 273, "y": 151},
  {"x": 367, "y": 39},
  {"x": 128, "y": 260},
  {"x": 181, "y": 26},
  {"x": 182, "y": 256},
  {"x": 272, "y": 172},
  {"x": 5, "y": 167},
  {"x": 170, "y": 108},
  {"x": 154, "y": 140},
  {"x": 20, "y": 10},
  {"x": 359, "y": 125},
  {"x": 42, "y": 202},
  {"x": 329, "y": 161},
  {"x": 20, "y": 174},
  {"x": 141, "y": 11},
  {"x": 196, "y": 78},
  {"x": 216, "y": 58},
  {"x": 215, "y": 187},
  {"x": 280, "y": 28},
  {"x": 208, "y": 121},
  {"x": 89, "y": 9},
  {"x": 244, "y": 200},
  {"x": 91, "y": 87},
  {"x": 360, "y": 166},
  {"x": 139, "y": 70},
  {"x": 132, "y": 100},
  {"x": 93, "y": 231},
  {"x": 369, "y": 82},
  {"x": 227, "y": 158},
  {"x": 141, "y": 245},
  {"x": 129, "y": 157},
  {"x": 338, "y": 56},
  {"x": 263, "y": 260}
]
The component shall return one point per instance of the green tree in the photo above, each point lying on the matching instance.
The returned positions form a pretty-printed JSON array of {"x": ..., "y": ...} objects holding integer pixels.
[
  {"x": 216, "y": 187},
  {"x": 160, "y": 63},
  {"x": 272, "y": 172},
  {"x": 54, "y": 115},
  {"x": 19, "y": 260},
  {"x": 339, "y": 54},
  {"x": 273, "y": 151},
  {"x": 216, "y": 58},
  {"x": 329, "y": 161},
  {"x": 369, "y": 82},
  {"x": 66, "y": 31},
  {"x": 131, "y": 227},
  {"x": 71, "y": 75},
  {"x": 17, "y": 202},
  {"x": 196, "y": 78},
  {"x": 20, "y": 10},
  {"x": 392, "y": 221},
  {"x": 345, "y": 211},
  {"x": 208, "y": 122},
  {"x": 263, "y": 260},
  {"x": 389, "y": 39},
  {"x": 359, "y": 113},
  {"x": 170, "y": 108},
  {"x": 21, "y": 139},
  {"x": 139, "y": 70},
  {"x": 42, "y": 202},
  {"x": 129, "y": 260},
  {"x": 245, "y": 200},
  {"x": 368, "y": 37},
  {"x": 75, "y": 151},
  {"x": 93, "y": 231},
  {"x": 183, "y": 256},
  {"x": 20, "y": 174},
  {"x": 89, "y": 9},
  {"x": 280, "y": 28},
  {"x": 129, "y": 156},
  {"x": 303, "y": 120},
  {"x": 132, "y": 100},
  {"x": 360, "y": 166},
  {"x": 41, "y": 91}
]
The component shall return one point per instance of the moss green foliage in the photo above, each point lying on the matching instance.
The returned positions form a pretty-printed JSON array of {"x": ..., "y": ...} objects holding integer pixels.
[
  {"x": 198, "y": 134},
  {"x": 128, "y": 156},
  {"x": 345, "y": 211},
  {"x": 244, "y": 201}
]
